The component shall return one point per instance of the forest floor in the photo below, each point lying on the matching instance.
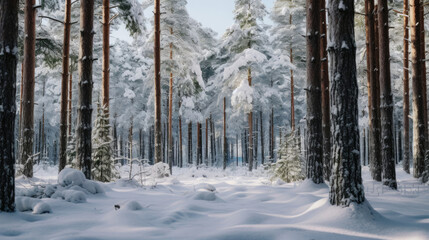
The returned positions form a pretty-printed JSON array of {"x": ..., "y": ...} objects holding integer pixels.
[{"x": 213, "y": 204}]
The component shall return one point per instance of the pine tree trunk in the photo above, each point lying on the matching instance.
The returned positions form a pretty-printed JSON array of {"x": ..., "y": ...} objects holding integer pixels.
[
  {"x": 292, "y": 97},
  {"x": 272, "y": 135},
  {"x": 206, "y": 156},
  {"x": 8, "y": 66},
  {"x": 314, "y": 94},
  {"x": 326, "y": 124},
  {"x": 106, "y": 55},
  {"x": 346, "y": 181},
  {"x": 180, "y": 143},
  {"x": 423, "y": 63},
  {"x": 64, "y": 86},
  {"x": 262, "y": 139},
  {"x": 418, "y": 100},
  {"x": 255, "y": 141},
  {"x": 28, "y": 93},
  {"x": 386, "y": 106},
  {"x": 157, "y": 60},
  {"x": 236, "y": 145},
  {"x": 170, "y": 113},
  {"x": 199, "y": 145},
  {"x": 249, "y": 78},
  {"x": 212, "y": 143},
  {"x": 84, "y": 110},
  {"x": 406, "y": 127},
  {"x": 70, "y": 104},
  {"x": 225, "y": 155},
  {"x": 190, "y": 160},
  {"x": 373, "y": 93}
]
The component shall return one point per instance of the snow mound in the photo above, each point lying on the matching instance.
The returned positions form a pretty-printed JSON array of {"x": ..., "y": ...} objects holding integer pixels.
[
  {"x": 70, "y": 177},
  {"x": 133, "y": 206},
  {"x": 31, "y": 204},
  {"x": 205, "y": 196},
  {"x": 160, "y": 170},
  {"x": 205, "y": 186},
  {"x": 309, "y": 186},
  {"x": 73, "y": 196}
]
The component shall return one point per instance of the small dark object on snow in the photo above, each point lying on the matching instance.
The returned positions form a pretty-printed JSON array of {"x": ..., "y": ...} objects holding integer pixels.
[
  {"x": 204, "y": 176},
  {"x": 117, "y": 207}
]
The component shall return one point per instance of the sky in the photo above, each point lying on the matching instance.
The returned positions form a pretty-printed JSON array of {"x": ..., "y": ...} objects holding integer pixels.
[{"x": 215, "y": 14}]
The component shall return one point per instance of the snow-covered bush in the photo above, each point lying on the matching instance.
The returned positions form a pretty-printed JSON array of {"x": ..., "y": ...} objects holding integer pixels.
[
  {"x": 289, "y": 166},
  {"x": 103, "y": 169},
  {"x": 160, "y": 170}
]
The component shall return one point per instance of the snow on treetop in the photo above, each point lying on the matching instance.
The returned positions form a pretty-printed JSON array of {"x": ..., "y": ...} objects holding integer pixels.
[{"x": 247, "y": 57}]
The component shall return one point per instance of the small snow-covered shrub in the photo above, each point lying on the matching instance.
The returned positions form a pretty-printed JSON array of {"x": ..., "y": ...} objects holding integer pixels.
[
  {"x": 31, "y": 204},
  {"x": 289, "y": 166},
  {"x": 160, "y": 170},
  {"x": 70, "y": 177}
]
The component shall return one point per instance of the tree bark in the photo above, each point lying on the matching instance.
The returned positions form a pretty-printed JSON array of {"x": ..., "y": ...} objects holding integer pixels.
[
  {"x": 314, "y": 98},
  {"x": 292, "y": 97},
  {"x": 406, "y": 127},
  {"x": 180, "y": 143},
  {"x": 157, "y": 85},
  {"x": 272, "y": 135},
  {"x": 326, "y": 124},
  {"x": 199, "y": 145},
  {"x": 419, "y": 141},
  {"x": 8, "y": 65},
  {"x": 346, "y": 180},
  {"x": 262, "y": 140},
  {"x": 206, "y": 155},
  {"x": 170, "y": 113},
  {"x": 386, "y": 106},
  {"x": 70, "y": 95},
  {"x": 64, "y": 87},
  {"x": 249, "y": 78},
  {"x": 28, "y": 94},
  {"x": 84, "y": 110},
  {"x": 190, "y": 160},
  {"x": 225, "y": 144},
  {"x": 373, "y": 93},
  {"x": 106, "y": 55}
]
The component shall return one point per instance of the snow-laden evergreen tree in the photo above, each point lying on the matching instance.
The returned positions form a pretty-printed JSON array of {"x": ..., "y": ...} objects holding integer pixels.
[
  {"x": 103, "y": 167},
  {"x": 71, "y": 152},
  {"x": 289, "y": 164}
]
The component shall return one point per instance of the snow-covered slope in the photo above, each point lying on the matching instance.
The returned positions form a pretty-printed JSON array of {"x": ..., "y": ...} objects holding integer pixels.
[{"x": 212, "y": 204}]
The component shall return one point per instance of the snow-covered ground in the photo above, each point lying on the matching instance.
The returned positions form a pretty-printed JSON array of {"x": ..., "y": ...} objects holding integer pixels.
[{"x": 212, "y": 204}]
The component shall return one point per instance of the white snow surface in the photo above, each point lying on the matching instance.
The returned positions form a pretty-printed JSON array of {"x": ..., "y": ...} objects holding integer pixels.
[{"x": 214, "y": 204}]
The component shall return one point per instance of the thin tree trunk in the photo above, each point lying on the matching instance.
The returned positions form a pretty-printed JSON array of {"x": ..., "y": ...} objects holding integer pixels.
[
  {"x": 20, "y": 112},
  {"x": 326, "y": 124},
  {"x": 249, "y": 78},
  {"x": 170, "y": 113},
  {"x": 106, "y": 55},
  {"x": 262, "y": 139},
  {"x": 180, "y": 143},
  {"x": 64, "y": 87},
  {"x": 314, "y": 94},
  {"x": 373, "y": 94},
  {"x": 225, "y": 157},
  {"x": 8, "y": 66},
  {"x": 406, "y": 127},
  {"x": 199, "y": 145},
  {"x": 157, "y": 60},
  {"x": 423, "y": 62},
  {"x": 70, "y": 104},
  {"x": 346, "y": 181},
  {"x": 272, "y": 135},
  {"x": 84, "y": 110},
  {"x": 236, "y": 145},
  {"x": 292, "y": 97},
  {"x": 190, "y": 160},
  {"x": 419, "y": 141},
  {"x": 28, "y": 94},
  {"x": 206, "y": 156},
  {"x": 386, "y": 106},
  {"x": 255, "y": 141}
]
